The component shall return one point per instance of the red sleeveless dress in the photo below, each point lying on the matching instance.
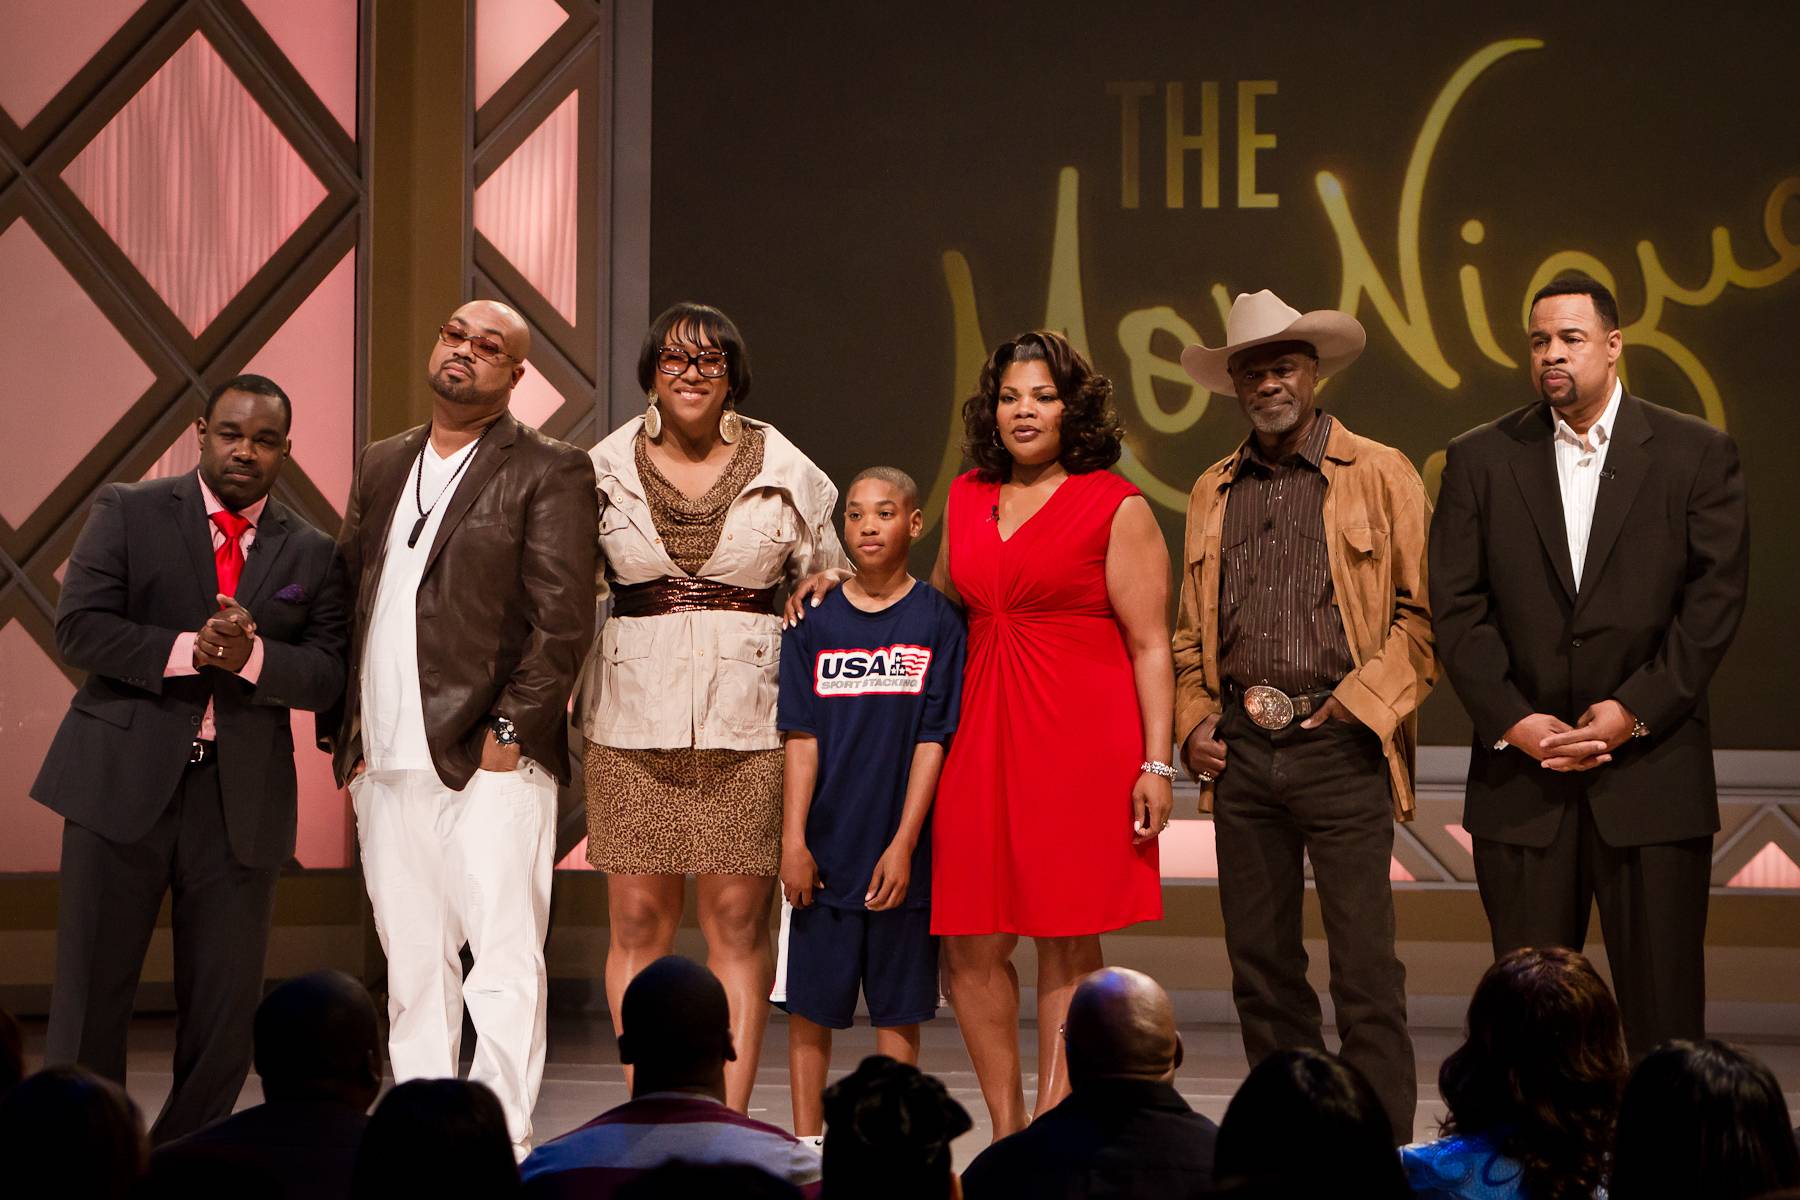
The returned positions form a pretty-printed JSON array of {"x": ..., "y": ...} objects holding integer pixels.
[{"x": 1031, "y": 831}]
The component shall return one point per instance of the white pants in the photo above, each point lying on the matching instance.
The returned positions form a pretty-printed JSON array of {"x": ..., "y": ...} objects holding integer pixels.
[{"x": 444, "y": 868}]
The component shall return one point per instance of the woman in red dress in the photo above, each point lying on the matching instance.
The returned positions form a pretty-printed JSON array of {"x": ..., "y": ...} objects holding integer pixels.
[{"x": 1057, "y": 783}]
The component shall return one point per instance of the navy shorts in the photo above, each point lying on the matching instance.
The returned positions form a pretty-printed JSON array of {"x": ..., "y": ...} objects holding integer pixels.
[{"x": 829, "y": 954}]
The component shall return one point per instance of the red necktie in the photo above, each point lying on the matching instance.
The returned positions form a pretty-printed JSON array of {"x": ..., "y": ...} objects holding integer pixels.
[{"x": 229, "y": 557}]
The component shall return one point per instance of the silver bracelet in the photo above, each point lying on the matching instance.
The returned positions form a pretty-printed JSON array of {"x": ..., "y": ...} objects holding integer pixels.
[{"x": 1157, "y": 768}]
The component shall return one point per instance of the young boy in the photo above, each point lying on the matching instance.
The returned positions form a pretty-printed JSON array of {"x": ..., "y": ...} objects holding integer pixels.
[{"x": 870, "y": 684}]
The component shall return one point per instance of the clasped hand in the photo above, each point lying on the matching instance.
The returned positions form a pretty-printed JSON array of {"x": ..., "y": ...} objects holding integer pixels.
[
  {"x": 1558, "y": 746},
  {"x": 228, "y": 636}
]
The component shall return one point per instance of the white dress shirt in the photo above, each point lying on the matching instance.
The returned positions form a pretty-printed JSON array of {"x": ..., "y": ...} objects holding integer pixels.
[
  {"x": 1580, "y": 465},
  {"x": 1580, "y": 462}
]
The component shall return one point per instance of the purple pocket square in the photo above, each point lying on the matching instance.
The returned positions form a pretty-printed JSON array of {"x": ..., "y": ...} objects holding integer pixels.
[{"x": 293, "y": 593}]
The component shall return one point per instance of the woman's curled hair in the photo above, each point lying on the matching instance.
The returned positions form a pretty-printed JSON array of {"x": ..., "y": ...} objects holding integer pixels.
[
  {"x": 1541, "y": 1070},
  {"x": 1092, "y": 435}
]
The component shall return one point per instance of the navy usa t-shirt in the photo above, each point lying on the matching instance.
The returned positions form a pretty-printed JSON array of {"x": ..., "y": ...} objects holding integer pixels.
[{"x": 870, "y": 687}]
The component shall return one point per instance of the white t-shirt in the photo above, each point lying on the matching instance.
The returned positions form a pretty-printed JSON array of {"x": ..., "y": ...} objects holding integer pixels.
[{"x": 393, "y": 713}]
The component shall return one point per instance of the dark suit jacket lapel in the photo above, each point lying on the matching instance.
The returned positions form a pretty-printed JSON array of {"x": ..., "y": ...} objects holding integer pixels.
[
  {"x": 1534, "y": 468},
  {"x": 1627, "y": 462},
  {"x": 495, "y": 449},
  {"x": 271, "y": 532},
  {"x": 193, "y": 530}
]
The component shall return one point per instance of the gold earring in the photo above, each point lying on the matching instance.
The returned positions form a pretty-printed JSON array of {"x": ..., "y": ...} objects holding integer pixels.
[
  {"x": 652, "y": 418},
  {"x": 731, "y": 426}
]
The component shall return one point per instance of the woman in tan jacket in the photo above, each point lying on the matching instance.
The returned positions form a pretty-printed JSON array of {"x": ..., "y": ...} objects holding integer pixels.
[{"x": 703, "y": 514}]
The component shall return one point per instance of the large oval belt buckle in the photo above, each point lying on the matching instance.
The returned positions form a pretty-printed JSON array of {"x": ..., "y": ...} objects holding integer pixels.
[{"x": 1271, "y": 708}]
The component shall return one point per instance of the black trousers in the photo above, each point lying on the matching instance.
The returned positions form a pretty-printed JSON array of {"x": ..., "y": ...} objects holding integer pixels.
[
  {"x": 110, "y": 895},
  {"x": 1323, "y": 791},
  {"x": 1652, "y": 902}
]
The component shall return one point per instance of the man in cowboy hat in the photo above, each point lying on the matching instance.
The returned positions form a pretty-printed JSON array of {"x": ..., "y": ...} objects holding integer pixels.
[{"x": 1302, "y": 652}]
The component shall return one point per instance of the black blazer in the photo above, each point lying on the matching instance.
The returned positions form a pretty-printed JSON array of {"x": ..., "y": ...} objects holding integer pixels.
[
  {"x": 1659, "y": 600},
  {"x": 141, "y": 574}
]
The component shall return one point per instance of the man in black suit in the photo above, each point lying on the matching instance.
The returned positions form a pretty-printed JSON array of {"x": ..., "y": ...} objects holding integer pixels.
[
  {"x": 318, "y": 1053},
  {"x": 1589, "y": 558},
  {"x": 202, "y": 610}
]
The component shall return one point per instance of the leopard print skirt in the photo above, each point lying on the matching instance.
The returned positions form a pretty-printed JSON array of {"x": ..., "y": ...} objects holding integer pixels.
[{"x": 678, "y": 812}]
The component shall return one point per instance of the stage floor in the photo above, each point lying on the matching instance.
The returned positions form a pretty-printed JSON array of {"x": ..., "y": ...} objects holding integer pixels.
[{"x": 582, "y": 1077}]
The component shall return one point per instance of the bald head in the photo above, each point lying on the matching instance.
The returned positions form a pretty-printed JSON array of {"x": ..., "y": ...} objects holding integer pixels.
[
  {"x": 497, "y": 320},
  {"x": 675, "y": 1027},
  {"x": 317, "y": 1036},
  {"x": 1121, "y": 1026}
]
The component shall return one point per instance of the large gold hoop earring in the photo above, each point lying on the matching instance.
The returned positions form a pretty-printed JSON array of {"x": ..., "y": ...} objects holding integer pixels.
[
  {"x": 731, "y": 426},
  {"x": 652, "y": 418}
]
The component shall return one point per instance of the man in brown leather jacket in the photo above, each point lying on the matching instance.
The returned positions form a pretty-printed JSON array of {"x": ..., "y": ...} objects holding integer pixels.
[
  {"x": 1302, "y": 652},
  {"x": 469, "y": 547}
]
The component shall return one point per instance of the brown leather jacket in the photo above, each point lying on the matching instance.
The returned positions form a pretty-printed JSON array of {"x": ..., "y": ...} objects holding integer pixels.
[
  {"x": 506, "y": 606},
  {"x": 1376, "y": 516}
]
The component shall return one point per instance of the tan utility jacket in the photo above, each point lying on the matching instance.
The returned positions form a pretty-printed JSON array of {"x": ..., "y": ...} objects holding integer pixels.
[
  {"x": 703, "y": 679},
  {"x": 1376, "y": 517}
]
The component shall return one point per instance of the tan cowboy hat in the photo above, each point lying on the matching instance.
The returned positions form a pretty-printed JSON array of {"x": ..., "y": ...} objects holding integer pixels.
[{"x": 1261, "y": 317}]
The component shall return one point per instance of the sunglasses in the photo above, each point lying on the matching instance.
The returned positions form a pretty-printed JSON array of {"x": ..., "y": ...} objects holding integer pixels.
[
  {"x": 673, "y": 360},
  {"x": 485, "y": 348}
]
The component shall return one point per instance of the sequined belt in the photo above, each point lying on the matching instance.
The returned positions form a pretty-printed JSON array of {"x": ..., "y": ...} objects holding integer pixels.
[{"x": 683, "y": 593}]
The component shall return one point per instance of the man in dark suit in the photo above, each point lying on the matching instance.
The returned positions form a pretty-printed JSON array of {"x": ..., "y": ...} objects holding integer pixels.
[
  {"x": 203, "y": 610},
  {"x": 470, "y": 545},
  {"x": 1589, "y": 559},
  {"x": 318, "y": 1054}
]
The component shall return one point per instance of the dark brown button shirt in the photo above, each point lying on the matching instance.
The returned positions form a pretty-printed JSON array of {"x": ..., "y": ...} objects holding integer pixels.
[{"x": 1278, "y": 618}]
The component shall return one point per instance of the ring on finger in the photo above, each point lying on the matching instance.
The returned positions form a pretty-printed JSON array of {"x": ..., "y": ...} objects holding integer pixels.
[{"x": 1207, "y": 777}]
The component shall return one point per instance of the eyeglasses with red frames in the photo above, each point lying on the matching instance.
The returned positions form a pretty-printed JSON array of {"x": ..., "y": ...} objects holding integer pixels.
[
  {"x": 673, "y": 360},
  {"x": 485, "y": 348}
]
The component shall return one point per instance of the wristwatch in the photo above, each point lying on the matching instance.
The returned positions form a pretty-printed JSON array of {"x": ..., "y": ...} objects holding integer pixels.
[
  {"x": 1639, "y": 729},
  {"x": 504, "y": 733}
]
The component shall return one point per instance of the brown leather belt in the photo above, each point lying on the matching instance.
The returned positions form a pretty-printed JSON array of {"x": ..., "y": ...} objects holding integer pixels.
[{"x": 682, "y": 593}]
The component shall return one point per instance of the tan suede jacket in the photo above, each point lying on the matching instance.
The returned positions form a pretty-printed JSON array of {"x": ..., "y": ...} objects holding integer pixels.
[{"x": 1376, "y": 517}]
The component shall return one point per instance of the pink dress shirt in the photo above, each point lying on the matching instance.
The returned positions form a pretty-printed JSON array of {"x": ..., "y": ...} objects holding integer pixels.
[{"x": 181, "y": 654}]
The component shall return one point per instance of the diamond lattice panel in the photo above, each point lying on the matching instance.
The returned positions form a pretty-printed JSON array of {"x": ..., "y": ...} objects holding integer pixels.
[
  {"x": 182, "y": 456},
  {"x": 507, "y": 32},
  {"x": 195, "y": 183},
  {"x": 73, "y": 409},
  {"x": 527, "y": 208},
  {"x": 1768, "y": 868},
  {"x": 47, "y": 42},
  {"x": 313, "y": 357},
  {"x": 33, "y": 697},
  {"x": 319, "y": 38},
  {"x": 535, "y": 399}
]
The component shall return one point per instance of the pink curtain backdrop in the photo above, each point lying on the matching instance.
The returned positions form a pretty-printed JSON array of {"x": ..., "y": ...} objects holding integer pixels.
[
  {"x": 535, "y": 400},
  {"x": 66, "y": 410},
  {"x": 1769, "y": 867},
  {"x": 507, "y": 32},
  {"x": 313, "y": 357},
  {"x": 527, "y": 208},
  {"x": 33, "y": 697},
  {"x": 195, "y": 183},
  {"x": 319, "y": 39},
  {"x": 46, "y": 42},
  {"x": 182, "y": 456}
]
